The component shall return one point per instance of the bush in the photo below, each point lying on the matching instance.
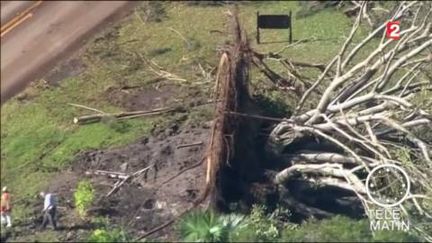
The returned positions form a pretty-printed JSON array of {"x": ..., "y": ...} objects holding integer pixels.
[
  {"x": 208, "y": 226},
  {"x": 258, "y": 227},
  {"x": 84, "y": 196},
  {"x": 113, "y": 235},
  {"x": 202, "y": 227}
]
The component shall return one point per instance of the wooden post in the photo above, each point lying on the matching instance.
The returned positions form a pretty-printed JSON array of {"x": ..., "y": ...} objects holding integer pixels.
[
  {"x": 291, "y": 26},
  {"x": 258, "y": 33}
]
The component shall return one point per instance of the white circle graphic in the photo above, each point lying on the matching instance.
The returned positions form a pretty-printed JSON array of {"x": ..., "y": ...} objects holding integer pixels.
[{"x": 386, "y": 168}]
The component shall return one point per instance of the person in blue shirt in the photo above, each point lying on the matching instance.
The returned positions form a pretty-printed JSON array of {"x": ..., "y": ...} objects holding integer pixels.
[{"x": 49, "y": 210}]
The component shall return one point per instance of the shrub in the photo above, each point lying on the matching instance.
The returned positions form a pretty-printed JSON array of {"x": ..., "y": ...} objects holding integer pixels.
[
  {"x": 202, "y": 227},
  {"x": 208, "y": 227},
  {"x": 259, "y": 227},
  {"x": 84, "y": 196},
  {"x": 112, "y": 235}
]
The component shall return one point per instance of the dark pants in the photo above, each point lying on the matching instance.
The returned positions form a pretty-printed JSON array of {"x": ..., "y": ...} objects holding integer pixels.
[{"x": 50, "y": 217}]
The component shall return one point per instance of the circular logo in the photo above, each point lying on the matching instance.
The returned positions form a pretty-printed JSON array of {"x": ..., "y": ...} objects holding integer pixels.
[{"x": 387, "y": 185}]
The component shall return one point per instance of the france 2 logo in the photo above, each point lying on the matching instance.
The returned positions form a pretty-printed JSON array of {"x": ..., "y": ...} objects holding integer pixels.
[{"x": 393, "y": 30}]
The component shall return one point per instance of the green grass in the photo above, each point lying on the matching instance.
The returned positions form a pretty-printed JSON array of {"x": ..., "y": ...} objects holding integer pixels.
[{"x": 38, "y": 136}]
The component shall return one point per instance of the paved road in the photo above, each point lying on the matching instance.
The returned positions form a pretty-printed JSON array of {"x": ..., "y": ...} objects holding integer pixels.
[
  {"x": 9, "y": 9},
  {"x": 46, "y": 33}
]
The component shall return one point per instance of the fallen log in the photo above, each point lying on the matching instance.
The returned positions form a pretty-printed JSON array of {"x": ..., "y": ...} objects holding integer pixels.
[
  {"x": 122, "y": 115},
  {"x": 107, "y": 173},
  {"x": 87, "y": 119}
]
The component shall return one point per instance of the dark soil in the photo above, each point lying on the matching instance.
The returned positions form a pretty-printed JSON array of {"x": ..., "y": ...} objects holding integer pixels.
[{"x": 144, "y": 202}]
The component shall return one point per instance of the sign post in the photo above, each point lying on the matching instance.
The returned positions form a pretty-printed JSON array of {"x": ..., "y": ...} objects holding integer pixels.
[{"x": 274, "y": 22}]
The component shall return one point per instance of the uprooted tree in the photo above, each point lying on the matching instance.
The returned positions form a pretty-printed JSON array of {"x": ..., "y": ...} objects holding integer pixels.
[
  {"x": 363, "y": 111},
  {"x": 372, "y": 109}
]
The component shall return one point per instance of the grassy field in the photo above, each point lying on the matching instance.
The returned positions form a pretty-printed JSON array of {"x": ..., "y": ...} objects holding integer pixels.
[{"x": 38, "y": 137}]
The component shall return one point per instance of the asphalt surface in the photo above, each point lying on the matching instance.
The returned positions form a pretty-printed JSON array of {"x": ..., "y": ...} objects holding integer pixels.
[{"x": 46, "y": 33}]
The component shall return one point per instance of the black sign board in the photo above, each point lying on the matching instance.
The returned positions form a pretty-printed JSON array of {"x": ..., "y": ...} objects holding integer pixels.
[{"x": 274, "y": 22}]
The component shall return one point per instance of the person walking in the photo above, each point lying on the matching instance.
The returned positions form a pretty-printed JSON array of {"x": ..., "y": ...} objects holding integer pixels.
[
  {"x": 5, "y": 208},
  {"x": 49, "y": 211}
]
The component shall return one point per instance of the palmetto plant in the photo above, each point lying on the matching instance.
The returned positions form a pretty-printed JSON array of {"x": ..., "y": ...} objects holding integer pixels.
[{"x": 208, "y": 227}]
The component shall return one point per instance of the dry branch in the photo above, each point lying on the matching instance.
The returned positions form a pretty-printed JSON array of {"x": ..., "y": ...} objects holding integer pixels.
[
  {"x": 87, "y": 108},
  {"x": 327, "y": 169},
  {"x": 189, "y": 145},
  {"x": 118, "y": 184},
  {"x": 323, "y": 157},
  {"x": 122, "y": 115},
  {"x": 111, "y": 174}
]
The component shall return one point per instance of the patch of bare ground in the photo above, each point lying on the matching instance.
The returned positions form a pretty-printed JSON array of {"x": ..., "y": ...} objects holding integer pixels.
[{"x": 145, "y": 201}]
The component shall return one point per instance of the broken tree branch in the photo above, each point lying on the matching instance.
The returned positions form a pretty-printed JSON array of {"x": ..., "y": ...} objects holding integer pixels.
[
  {"x": 123, "y": 115},
  {"x": 118, "y": 184}
]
